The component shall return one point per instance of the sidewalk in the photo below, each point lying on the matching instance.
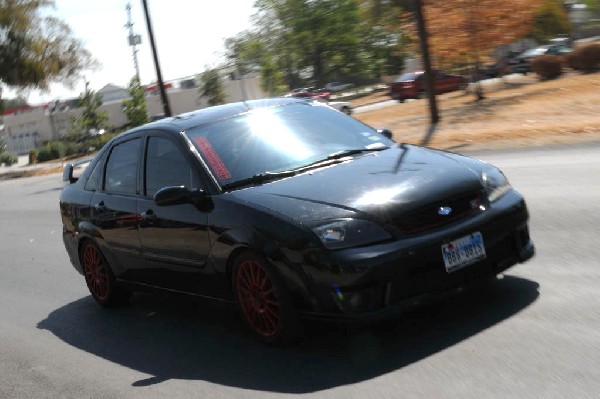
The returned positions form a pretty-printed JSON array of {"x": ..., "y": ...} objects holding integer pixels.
[{"x": 23, "y": 168}]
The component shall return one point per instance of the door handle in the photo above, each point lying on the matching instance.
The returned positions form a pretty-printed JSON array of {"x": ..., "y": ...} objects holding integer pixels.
[{"x": 149, "y": 215}]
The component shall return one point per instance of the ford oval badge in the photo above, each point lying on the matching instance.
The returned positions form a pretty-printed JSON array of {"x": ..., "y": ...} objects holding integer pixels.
[{"x": 444, "y": 210}]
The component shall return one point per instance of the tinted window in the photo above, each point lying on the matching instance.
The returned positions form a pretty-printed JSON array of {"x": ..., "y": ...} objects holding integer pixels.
[
  {"x": 166, "y": 166},
  {"x": 121, "y": 168}
]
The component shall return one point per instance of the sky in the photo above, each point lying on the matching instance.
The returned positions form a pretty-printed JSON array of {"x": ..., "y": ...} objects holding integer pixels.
[{"x": 189, "y": 35}]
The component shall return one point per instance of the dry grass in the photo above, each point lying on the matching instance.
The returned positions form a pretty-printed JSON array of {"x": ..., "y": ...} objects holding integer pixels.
[{"x": 522, "y": 112}]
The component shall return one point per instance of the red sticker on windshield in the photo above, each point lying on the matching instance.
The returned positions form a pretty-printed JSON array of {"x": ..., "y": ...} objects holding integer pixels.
[{"x": 212, "y": 158}]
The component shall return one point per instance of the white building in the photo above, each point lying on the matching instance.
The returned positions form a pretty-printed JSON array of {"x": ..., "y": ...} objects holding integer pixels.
[{"x": 27, "y": 128}]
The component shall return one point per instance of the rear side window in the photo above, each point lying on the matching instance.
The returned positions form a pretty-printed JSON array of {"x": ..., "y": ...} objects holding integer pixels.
[{"x": 122, "y": 168}]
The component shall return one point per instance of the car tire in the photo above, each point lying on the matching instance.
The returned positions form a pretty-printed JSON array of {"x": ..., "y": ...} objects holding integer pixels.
[
  {"x": 401, "y": 100},
  {"x": 263, "y": 300},
  {"x": 347, "y": 110},
  {"x": 99, "y": 277}
]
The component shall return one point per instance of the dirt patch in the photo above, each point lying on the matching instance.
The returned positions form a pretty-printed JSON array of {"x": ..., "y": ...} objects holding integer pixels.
[{"x": 516, "y": 113}]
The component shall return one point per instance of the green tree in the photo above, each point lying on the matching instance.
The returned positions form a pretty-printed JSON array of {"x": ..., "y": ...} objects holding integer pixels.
[
  {"x": 92, "y": 118},
  {"x": 248, "y": 52},
  {"x": 36, "y": 50},
  {"x": 550, "y": 20},
  {"x": 211, "y": 87},
  {"x": 16, "y": 102},
  {"x": 384, "y": 41},
  {"x": 314, "y": 38},
  {"x": 135, "y": 107}
]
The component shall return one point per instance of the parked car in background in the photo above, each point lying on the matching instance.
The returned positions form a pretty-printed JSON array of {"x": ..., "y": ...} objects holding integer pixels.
[
  {"x": 287, "y": 209},
  {"x": 337, "y": 86},
  {"x": 412, "y": 85},
  {"x": 342, "y": 106},
  {"x": 310, "y": 92},
  {"x": 522, "y": 62}
]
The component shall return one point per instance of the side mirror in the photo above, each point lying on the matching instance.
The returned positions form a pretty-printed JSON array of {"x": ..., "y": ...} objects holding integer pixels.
[
  {"x": 386, "y": 132},
  {"x": 70, "y": 168},
  {"x": 68, "y": 173},
  {"x": 177, "y": 195}
]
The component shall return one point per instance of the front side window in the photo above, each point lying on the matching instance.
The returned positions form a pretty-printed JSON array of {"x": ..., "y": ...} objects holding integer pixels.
[
  {"x": 122, "y": 168},
  {"x": 166, "y": 166}
]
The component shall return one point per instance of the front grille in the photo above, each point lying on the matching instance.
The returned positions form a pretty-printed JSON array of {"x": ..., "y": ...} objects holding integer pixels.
[{"x": 428, "y": 217}]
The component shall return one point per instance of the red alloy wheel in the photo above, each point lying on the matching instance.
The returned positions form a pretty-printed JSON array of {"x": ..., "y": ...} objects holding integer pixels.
[
  {"x": 257, "y": 297},
  {"x": 96, "y": 275}
]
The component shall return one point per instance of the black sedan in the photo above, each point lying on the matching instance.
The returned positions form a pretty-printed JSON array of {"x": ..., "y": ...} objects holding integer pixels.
[{"x": 288, "y": 209}]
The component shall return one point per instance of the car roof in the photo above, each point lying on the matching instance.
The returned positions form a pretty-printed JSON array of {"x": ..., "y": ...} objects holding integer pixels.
[{"x": 205, "y": 116}]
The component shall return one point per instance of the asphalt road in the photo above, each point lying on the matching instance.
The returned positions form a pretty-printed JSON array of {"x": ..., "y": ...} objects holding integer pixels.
[{"x": 533, "y": 334}]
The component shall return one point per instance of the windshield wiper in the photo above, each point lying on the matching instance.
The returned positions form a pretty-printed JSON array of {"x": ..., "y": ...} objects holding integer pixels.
[
  {"x": 331, "y": 159},
  {"x": 347, "y": 153},
  {"x": 259, "y": 178}
]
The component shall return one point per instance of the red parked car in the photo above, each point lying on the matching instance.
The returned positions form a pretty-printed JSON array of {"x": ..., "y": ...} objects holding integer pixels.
[
  {"x": 310, "y": 92},
  {"x": 412, "y": 85}
]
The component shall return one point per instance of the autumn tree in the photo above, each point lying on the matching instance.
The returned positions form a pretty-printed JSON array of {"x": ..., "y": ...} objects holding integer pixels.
[
  {"x": 37, "y": 49},
  {"x": 211, "y": 87},
  {"x": 135, "y": 106},
  {"x": 461, "y": 31}
]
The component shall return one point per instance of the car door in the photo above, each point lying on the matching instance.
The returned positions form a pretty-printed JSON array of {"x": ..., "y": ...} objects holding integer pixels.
[
  {"x": 114, "y": 206},
  {"x": 174, "y": 238}
]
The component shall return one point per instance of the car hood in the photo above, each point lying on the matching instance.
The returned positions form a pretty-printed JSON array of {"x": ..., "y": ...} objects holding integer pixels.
[{"x": 378, "y": 186}]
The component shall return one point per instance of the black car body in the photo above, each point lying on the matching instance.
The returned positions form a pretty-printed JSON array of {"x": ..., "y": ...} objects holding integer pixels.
[{"x": 289, "y": 209}]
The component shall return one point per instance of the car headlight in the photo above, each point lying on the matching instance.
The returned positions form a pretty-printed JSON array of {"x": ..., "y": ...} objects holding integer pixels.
[
  {"x": 495, "y": 183},
  {"x": 346, "y": 233}
]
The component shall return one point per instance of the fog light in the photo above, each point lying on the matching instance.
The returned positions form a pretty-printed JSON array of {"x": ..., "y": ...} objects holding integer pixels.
[{"x": 351, "y": 301}]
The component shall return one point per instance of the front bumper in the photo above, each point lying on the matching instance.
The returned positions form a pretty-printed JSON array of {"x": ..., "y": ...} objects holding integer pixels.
[{"x": 382, "y": 280}]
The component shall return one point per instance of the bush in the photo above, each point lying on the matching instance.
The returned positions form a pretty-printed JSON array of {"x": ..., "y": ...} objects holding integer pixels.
[
  {"x": 52, "y": 150},
  {"x": 8, "y": 158},
  {"x": 585, "y": 58},
  {"x": 547, "y": 66},
  {"x": 33, "y": 155}
]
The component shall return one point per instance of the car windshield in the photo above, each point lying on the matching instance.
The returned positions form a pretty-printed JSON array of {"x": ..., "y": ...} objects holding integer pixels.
[{"x": 278, "y": 139}]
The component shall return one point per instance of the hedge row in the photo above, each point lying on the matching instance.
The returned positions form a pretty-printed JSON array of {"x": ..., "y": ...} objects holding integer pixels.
[{"x": 585, "y": 59}]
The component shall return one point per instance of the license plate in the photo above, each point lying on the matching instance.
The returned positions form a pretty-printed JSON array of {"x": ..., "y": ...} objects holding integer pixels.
[{"x": 463, "y": 251}]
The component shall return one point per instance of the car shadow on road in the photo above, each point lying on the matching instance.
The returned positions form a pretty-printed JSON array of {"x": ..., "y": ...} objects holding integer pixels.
[{"x": 173, "y": 338}]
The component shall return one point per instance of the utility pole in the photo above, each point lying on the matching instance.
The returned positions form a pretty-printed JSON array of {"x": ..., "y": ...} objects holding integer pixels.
[
  {"x": 133, "y": 39},
  {"x": 161, "y": 85},
  {"x": 429, "y": 78}
]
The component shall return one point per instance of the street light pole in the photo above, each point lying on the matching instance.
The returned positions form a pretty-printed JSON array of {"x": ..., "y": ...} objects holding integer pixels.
[
  {"x": 134, "y": 40},
  {"x": 161, "y": 85}
]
